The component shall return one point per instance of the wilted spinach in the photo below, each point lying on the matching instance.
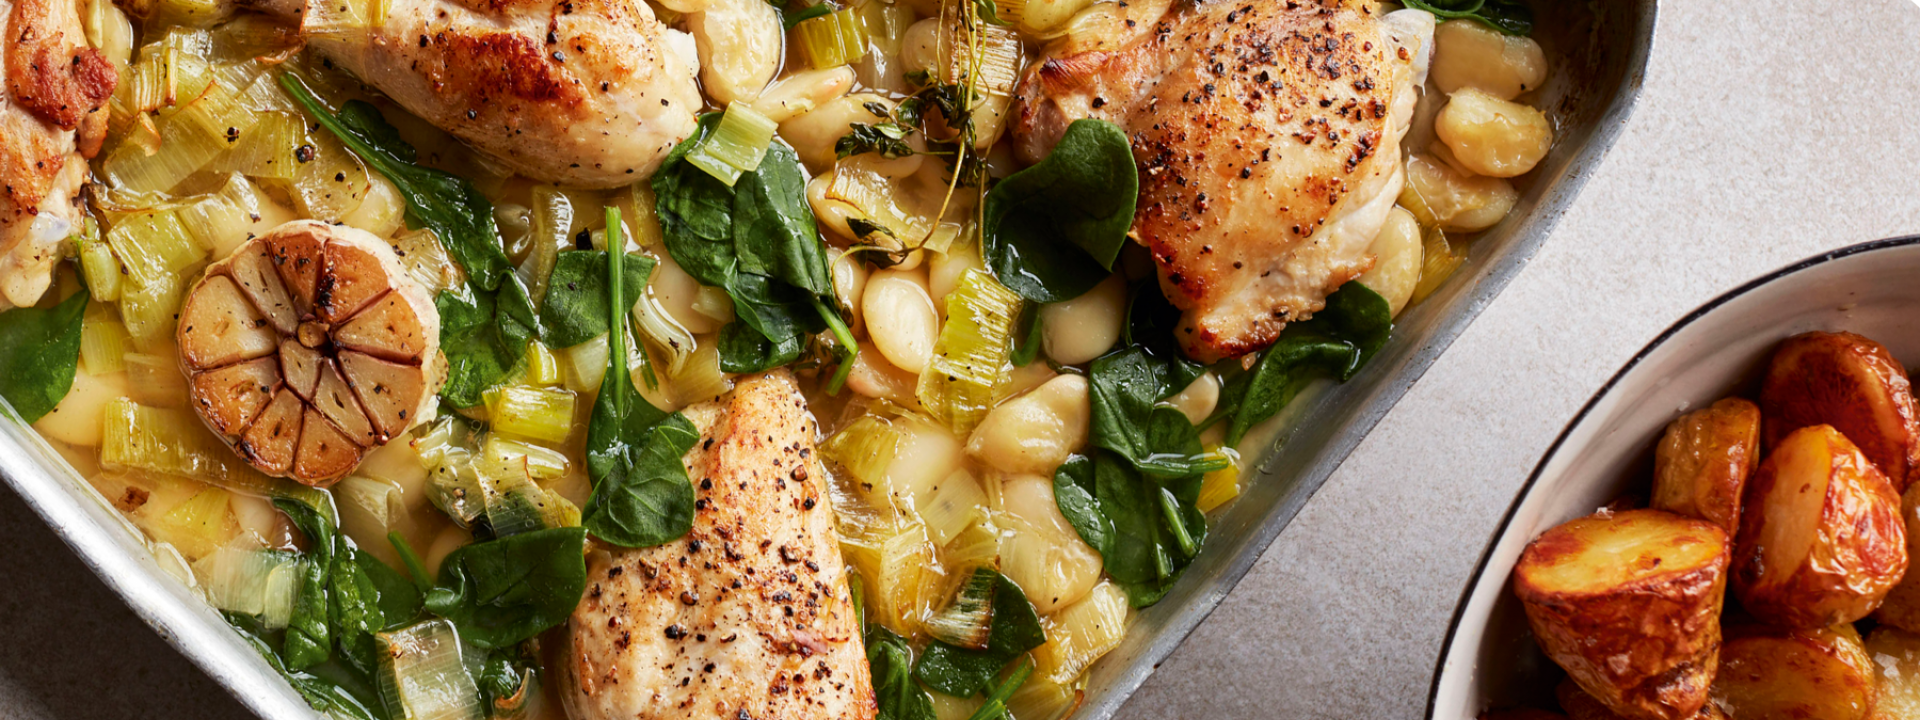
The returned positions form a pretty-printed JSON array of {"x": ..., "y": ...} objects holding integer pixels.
[
  {"x": 484, "y": 327},
  {"x": 338, "y": 697},
  {"x": 1146, "y": 530},
  {"x": 641, "y": 494},
  {"x": 1336, "y": 342},
  {"x": 1082, "y": 193},
  {"x": 961, "y": 672},
  {"x": 39, "y": 350},
  {"x": 1126, "y": 387},
  {"x": 758, "y": 241},
  {"x": 575, "y": 309},
  {"x": 1508, "y": 16},
  {"x": 506, "y": 590},
  {"x": 891, "y": 662}
]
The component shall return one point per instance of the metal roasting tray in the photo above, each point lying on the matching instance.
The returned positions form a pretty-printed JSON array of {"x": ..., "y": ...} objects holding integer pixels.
[{"x": 1599, "y": 54}]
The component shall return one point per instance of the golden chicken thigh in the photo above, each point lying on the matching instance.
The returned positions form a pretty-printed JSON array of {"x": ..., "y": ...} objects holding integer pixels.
[
  {"x": 586, "y": 93},
  {"x": 1267, "y": 135},
  {"x": 51, "y": 121}
]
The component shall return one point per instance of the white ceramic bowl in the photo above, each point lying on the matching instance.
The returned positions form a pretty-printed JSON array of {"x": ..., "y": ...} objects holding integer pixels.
[{"x": 1489, "y": 659}]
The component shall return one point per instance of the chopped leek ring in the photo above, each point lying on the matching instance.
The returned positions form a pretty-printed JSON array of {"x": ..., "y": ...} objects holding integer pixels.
[
  {"x": 1081, "y": 633},
  {"x": 98, "y": 264},
  {"x": 866, "y": 449},
  {"x": 991, "y": 67},
  {"x": 250, "y": 581},
  {"x": 154, "y": 246},
  {"x": 155, "y": 380},
  {"x": 539, "y": 462},
  {"x": 149, "y": 313},
  {"x": 542, "y": 367},
  {"x": 736, "y": 146},
  {"x": 531, "y": 412},
  {"x": 200, "y": 525},
  {"x": 103, "y": 342},
  {"x": 834, "y": 39},
  {"x": 1442, "y": 260},
  {"x": 969, "y": 365},
  {"x": 968, "y": 620},
  {"x": 700, "y": 377},
  {"x": 268, "y": 149},
  {"x": 423, "y": 676}
]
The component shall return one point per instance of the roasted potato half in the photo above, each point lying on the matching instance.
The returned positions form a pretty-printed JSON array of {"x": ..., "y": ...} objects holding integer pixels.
[
  {"x": 1702, "y": 463},
  {"x": 1629, "y": 604},
  {"x": 1580, "y": 706},
  {"x": 1821, "y": 540},
  {"x": 1896, "y": 659},
  {"x": 1774, "y": 673},
  {"x": 1901, "y": 608},
  {"x": 1851, "y": 383}
]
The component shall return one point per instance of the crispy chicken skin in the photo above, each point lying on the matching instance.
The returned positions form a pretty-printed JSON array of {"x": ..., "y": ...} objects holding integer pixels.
[
  {"x": 748, "y": 615},
  {"x": 1267, "y": 134},
  {"x": 50, "y": 123},
  {"x": 585, "y": 93}
]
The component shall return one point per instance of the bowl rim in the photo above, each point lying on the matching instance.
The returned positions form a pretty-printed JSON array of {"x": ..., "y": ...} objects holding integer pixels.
[{"x": 1526, "y": 489}]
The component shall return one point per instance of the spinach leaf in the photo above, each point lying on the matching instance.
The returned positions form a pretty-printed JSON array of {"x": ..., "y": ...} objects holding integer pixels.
[
  {"x": 1084, "y": 192},
  {"x": 1125, "y": 388},
  {"x": 440, "y": 201},
  {"x": 575, "y": 309},
  {"x": 1335, "y": 342},
  {"x": 759, "y": 241},
  {"x": 1146, "y": 531},
  {"x": 484, "y": 336},
  {"x": 1027, "y": 336},
  {"x": 641, "y": 494},
  {"x": 395, "y": 595},
  {"x": 356, "y": 610},
  {"x": 39, "y": 349},
  {"x": 890, "y": 660},
  {"x": 485, "y": 327},
  {"x": 339, "y": 697},
  {"x": 506, "y": 590},
  {"x": 963, "y": 673},
  {"x": 1508, "y": 16},
  {"x": 508, "y": 679},
  {"x": 308, "y": 641},
  {"x": 647, "y": 499}
]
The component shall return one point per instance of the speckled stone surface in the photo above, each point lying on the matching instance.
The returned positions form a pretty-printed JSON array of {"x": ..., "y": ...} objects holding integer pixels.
[{"x": 1767, "y": 132}]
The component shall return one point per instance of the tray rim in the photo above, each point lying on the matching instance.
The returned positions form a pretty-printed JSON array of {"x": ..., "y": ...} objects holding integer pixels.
[{"x": 216, "y": 650}]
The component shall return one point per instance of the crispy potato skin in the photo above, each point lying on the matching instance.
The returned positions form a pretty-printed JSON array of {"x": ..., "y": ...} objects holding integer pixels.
[
  {"x": 1859, "y": 546},
  {"x": 1901, "y": 607},
  {"x": 1580, "y": 706},
  {"x": 1774, "y": 673},
  {"x": 1702, "y": 464},
  {"x": 1646, "y": 647},
  {"x": 1851, "y": 383}
]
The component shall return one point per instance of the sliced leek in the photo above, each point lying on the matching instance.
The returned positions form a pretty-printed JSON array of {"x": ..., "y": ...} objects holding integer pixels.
[
  {"x": 1442, "y": 259},
  {"x": 700, "y": 377},
  {"x": 200, "y": 525},
  {"x": 737, "y": 145},
  {"x": 551, "y": 217},
  {"x": 155, "y": 380},
  {"x": 543, "y": 368},
  {"x": 537, "y": 413},
  {"x": 537, "y": 461},
  {"x": 951, "y": 505},
  {"x": 149, "y": 312},
  {"x": 833, "y": 39},
  {"x": 269, "y": 149},
  {"x": 866, "y": 449},
  {"x": 154, "y": 247},
  {"x": 969, "y": 365},
  {"x": 1080, "y": 633},
  {"x": 250, "y": 581},
  {"x": 423, "y": 676},
  {"x": 967, "y": 621},
  {"x": 98, "y": 264},
  {"x": 103, "y": 342}
]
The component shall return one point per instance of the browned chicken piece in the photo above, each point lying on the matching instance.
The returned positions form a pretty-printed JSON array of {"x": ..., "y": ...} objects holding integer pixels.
[
  {"x": 1267, "y": 135},
  {"x": 749, "y": 614},
  {"x": 51, "y": 122},
  {"x": 585, "y": 93}
]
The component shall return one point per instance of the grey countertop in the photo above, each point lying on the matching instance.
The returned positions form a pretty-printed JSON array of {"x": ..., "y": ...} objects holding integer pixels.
[{"x": 1767, "y": 132}]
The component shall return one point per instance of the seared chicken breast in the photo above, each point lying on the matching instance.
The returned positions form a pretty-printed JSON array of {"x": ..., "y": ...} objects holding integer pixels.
[
  {"x": 584, "y": 93},
  {"x": 749, "y": 614},
  {"x": 1267, "y": 134},
  {"x": 51, "y": 121}
]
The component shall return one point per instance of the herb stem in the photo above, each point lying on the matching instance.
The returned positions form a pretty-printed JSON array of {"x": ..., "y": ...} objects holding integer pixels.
[
  {"x": 412, "y": 560},
  {"x": 1170, "y": 507},
  {"x": 850, "y": 348},
  {"x": 996, "y": 705},
  {"x": 617, "y": 330}
]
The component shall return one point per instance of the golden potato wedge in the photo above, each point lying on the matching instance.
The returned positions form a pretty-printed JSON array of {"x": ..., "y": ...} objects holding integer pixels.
[
  {"x": 1773, "y": 673},
  {"x": 1896, "y": 659},
  {"x": 1901, "y": 607},
  {"x": 1703, "y": 462},
  {"x": 1629, "y": 604},
  {"x": 1578, "y": 705},
  {"x": 1851, "y": 383},
  {"x": 1821, "y": 540}
]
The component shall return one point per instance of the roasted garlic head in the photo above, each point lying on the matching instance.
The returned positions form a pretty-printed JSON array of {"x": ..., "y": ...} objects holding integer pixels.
[{"x": 308, "y": 347}]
